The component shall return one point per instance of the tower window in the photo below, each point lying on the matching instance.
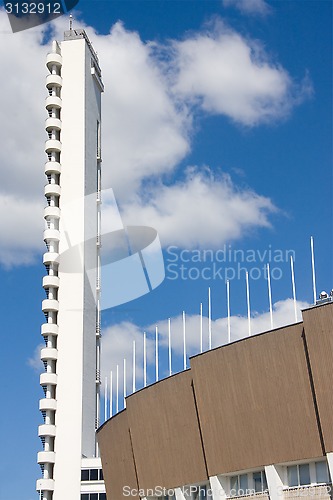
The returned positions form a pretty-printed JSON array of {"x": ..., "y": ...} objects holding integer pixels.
[
  {"x": 99, "y": 152},
  {"x": 85, "y": 475}
]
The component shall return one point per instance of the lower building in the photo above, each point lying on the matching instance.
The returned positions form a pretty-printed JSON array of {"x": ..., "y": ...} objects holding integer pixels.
[{"x": 251, "y": 418}]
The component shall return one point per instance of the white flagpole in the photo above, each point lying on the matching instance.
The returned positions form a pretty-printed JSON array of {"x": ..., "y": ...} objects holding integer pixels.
[
  {"x": 156, "y": 352},
  {"x": 248, "y": 302},
  {"x": 106, "y": 400},
  {"x": 184, "y": 339},
  {"x": 111, "y": 395},
  {"x": 134, "y": 367},
  {"x": 270, "y": 295},
  {"x": 209, "y": 320},
  {"x": 313, "y": 271},
  {"x": 293, "y": 285},
  {"x": 170, "y": 352},
  {"x": 125, "y": 394},
  {"x": 201, "y": 340},
  {"x": 144, "y": 360},
  {"x": 228, "y": 310},
  {"x": 117, "y": 389}
]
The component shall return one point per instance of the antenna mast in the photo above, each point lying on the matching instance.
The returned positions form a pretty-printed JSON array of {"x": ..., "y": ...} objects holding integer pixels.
[
  {"x": 184, "y": 339},
  {"x": 293, "y": 285},
  {"x": 228, "y": 310},
  {"x": 248, "y": 302},
  {"x": 201, "y": 327},
  {"x": 134, "y": 367},
  {"x": 106, "y": 400},
  {"x": 156, "y": 351},
  {"x": 125, "y": 391},
  {"x": 313, "y": 271},
  {"x": 144, "y": 359},
  {"x": 111, "y": 398},
  {"x": 270, "y": 295},
  {"x": 170, "y": 352},
  {"x": 209, "y": 320}
]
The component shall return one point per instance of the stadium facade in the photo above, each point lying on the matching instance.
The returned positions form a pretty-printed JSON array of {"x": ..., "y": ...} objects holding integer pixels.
[{"x": 250, "y": 418}]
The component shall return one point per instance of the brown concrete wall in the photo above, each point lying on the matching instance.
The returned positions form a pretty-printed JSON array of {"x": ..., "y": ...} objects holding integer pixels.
[
  {"x": 255, "y": 402},
  {"x": 318, "y": 326},
  {"x": 165, "y": 434},
  {"x": 117, "y": 457}
]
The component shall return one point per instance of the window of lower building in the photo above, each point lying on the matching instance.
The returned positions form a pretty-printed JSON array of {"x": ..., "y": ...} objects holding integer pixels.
[
  {"x": 93, "y": 496},
  {"x": 298, "y": 475},
  {"x": 238, "y": 485},
  {"x": 92, "y": 475},
  {"x": 259, "y": 481},
  {"x": 248, "y": 484},
  {"x": 322, "y": 473},
  {"x": 201, "y": 493}
]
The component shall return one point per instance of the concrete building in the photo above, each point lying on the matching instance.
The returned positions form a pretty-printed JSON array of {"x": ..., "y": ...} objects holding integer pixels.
[
  {"x": 250, "y": 418},
  {"x": 69, "y": 461}
]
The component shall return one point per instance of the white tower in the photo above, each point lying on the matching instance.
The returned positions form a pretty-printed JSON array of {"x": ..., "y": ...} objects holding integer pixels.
[{"x": 71, "y": 330}]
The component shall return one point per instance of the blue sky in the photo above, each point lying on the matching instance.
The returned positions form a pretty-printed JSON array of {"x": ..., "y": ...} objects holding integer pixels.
[{"x": 217, "y": 131}]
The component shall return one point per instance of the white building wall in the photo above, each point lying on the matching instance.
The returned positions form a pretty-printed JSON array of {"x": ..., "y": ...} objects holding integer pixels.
[{"x": 76, "y": 366}]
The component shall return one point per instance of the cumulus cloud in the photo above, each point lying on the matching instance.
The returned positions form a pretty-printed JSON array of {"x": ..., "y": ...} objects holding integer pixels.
[
  {"x": 152, "y": 94},
  {"x": 34, "y": 361},
  {"x": 252, "y": 7},
  {"x": 21, "y": 229},
  {"x": 224, "y": 73},
  {"x": 201, "y": 210},
  {"x": 117, "y": 342},
  {"x": 21, "y": 101},
  {"x": 145, "y": 134}
]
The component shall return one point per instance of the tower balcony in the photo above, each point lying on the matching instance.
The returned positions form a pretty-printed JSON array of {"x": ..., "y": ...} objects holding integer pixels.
[
  {"x": 45, "y": 485},
  {"x": 51, "y": 281},
  {"x": 47, "y": 430},
  {"x": 48, "y": 379},
  {"x": 53, "y": 81},
  {"x": 53, "y": 123},
  {"x": 49, "y": 329},
  {"x": 53, "y": 101},
  {"x": 52, "y": 189},
  {"x": 49, "y": 353},
  {"x": 52, "y": 212},
  {"x": 47, "y": 404},
  {"x": 51, "y": 235},
  {"x": 53, "y": 59},
  {"x": 52, "y": 167},
  {"x": 52, "y": 146},
  {"x": 50, "y": 305},
  {"x": 46, "y": 457},
  {"x": 50, "y": 257}
]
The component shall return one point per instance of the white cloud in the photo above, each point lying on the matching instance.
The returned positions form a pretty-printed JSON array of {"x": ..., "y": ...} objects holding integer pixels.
[
  {"x": 224, "y": 73},
  {"x": 145, "y": 134},
  {"x": 200, "y": 211},
  {"x": 21, "y": 229},
  {"x": 35, "y": 362},
  {"x": 21, "y": 101},
  {"x": 117, "y": 342},
  {"x": 148, "y": 109},
  {"x": 253, "y": 7}
]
